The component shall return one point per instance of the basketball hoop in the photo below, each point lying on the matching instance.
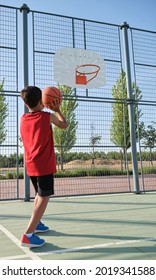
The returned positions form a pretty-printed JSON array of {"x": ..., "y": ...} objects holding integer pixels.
[{"x": 81, "y": 75}]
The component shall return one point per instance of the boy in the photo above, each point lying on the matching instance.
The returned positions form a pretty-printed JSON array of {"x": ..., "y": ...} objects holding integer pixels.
[{"x": 37, "y": 137}]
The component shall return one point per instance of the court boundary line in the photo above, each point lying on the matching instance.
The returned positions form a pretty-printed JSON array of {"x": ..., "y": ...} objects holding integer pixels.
[
  {"x": 28, "y": 253},
  {"x": 15, "y": 257},
  {"x": 36, "y": 255},
  {"x": 103, "y": 245}
]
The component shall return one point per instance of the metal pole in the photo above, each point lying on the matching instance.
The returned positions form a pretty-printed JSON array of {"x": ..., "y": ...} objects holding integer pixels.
[
  {"x": 25, "y": 10},
  {"x": 124, "y": 27}
]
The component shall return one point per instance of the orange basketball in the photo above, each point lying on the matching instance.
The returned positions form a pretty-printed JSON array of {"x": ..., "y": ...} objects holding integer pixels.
[{"x": 49, "y": 95}]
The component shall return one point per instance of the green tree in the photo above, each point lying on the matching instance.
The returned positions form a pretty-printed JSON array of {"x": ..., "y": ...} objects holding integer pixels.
[
  {"x": 149, "y": 138},
  {"x": 3, "y": 114},
  {"x": 94, "y": 139},
  {"x": 120, "y": 131},
  {"x": 66, "y": 138}
]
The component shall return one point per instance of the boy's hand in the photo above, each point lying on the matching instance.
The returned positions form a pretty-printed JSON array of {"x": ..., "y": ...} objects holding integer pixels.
[{"x": 55, "y": 105}]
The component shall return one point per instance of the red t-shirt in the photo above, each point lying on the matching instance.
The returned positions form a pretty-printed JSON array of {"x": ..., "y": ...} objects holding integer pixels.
[{"x": 37, "y": 136}]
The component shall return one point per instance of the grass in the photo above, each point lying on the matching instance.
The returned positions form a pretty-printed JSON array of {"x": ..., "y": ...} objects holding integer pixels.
[{"x": 80, "y": 168}]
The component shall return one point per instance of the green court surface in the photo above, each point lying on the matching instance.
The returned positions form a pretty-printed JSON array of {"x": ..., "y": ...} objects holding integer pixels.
[{"x": 106, "y": 227}]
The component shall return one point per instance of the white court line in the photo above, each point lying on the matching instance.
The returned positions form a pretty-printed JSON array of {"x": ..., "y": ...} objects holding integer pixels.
[
  {"x": 71, "y": 250},
  {"x": 28, "y": 253},
  {"x": 110, "y": 244},
  {"x": 35, "y": 256},
  {"x": 16, "y": 257}
]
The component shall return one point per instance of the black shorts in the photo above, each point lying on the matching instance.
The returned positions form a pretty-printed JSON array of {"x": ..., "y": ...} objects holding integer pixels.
[{"x": 43, "y": 185}]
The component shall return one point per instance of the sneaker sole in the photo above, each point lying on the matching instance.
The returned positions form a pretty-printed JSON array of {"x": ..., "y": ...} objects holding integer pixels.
[
  {"x": 41, "y": 231},
  {"x": 31, "y": 245}
]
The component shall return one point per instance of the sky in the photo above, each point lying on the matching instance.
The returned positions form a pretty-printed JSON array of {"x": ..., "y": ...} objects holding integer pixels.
[{"x": 137, "y": 13}]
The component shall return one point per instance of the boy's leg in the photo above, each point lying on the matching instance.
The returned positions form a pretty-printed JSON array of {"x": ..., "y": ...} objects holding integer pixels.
[
  {"x": 40, "y": 205},
  {"x": 43, "y": 186}
]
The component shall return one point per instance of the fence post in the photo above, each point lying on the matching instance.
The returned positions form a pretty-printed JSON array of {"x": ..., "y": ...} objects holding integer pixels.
[
  {"x": 124, "y": 27},
  {"x": 25, "y": 10}
]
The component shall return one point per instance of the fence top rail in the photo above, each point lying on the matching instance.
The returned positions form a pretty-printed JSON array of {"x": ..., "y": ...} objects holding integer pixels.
[
  {"x": 10, "y": 7},
  {"x": 143, "y": 30},
  {"x": 58, "y": 15},
  {"x": 83, "y": 19},
  {"x": 76, "y": 18}
]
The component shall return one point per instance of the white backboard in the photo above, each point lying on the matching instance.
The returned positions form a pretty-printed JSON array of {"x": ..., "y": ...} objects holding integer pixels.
[{"x": 79, "y": 68}]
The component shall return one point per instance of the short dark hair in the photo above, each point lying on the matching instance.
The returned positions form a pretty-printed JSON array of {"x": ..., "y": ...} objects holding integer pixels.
[{"x": 31, "y": 95}]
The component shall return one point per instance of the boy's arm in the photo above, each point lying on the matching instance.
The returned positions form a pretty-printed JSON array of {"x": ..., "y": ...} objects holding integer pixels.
[{"x": 59, "y": 121}]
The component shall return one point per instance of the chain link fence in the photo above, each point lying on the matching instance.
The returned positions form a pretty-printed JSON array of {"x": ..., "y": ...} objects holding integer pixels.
[{"x": 88, "y": 168}]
